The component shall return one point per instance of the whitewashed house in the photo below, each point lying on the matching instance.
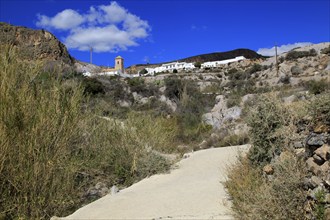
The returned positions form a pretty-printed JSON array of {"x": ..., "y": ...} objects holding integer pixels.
[
  {"x": 221, "y": 62},
  {"x": 170, "y": 67}
]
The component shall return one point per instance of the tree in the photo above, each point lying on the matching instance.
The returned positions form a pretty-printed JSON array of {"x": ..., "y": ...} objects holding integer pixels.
[{"x": 198, "y": 64}]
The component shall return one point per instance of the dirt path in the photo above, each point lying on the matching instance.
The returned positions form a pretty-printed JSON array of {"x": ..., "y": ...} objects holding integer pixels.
[{"x": 192, "y": 191}]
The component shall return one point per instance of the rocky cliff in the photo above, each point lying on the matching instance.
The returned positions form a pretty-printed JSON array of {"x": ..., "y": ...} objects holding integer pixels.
[{"x": 35, "y": 44}]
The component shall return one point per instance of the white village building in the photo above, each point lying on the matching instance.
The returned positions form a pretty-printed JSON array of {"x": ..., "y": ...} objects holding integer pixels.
[
  {"x": 170, "y": 67},
  {"x": 217, "y": 63}
]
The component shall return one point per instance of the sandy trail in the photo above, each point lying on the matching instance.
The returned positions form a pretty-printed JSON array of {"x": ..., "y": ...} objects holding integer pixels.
[{"x": 192, "y": 191}]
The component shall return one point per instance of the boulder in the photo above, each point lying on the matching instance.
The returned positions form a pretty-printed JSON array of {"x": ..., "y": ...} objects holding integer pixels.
[
  {"x": 268, "y": 169},
  {"x": 315, "y": 139},
  {"x": 318, "y": 159},
  {"x": 312, "y": 166},
  {"x": 300, "y": 152},
  {"x": 323, "y": 152},
  {"x": 203, "y": 145},
  {"x": 114, "y": 189},
  {"x": 327, "y": 213},
  {"x": 289, "y": 99},
  {"x": 168, "y": 102},
  {"x": 285, "y": 156},
  {"x": 315, "y": 181},
  {"x": 321, "y": 128}
]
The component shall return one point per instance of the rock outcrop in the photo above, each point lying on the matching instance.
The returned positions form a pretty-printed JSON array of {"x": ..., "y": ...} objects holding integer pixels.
[{"x": 33, "y": 45}]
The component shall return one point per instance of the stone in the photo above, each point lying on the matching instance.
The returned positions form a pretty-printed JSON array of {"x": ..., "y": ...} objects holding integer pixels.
[
  {"x": 300, "y": 152},
  {"x": 315, "y": 181},
  {"x": 298, "y": 144},
  {"x": 323, "y": 152},
  {"x": 103, "y": 191},
  {"x": 327, "y": 198},
  {"x": 100, "y": 185},
  {"x": 268, "y": 169},
  {"x": 327, "y": 213},
  {"x": 318, "y": 159},
  {"x": 124, "y": 103},
  {"x": 314, "y": 139},
  {"x": 312, "y": 166},
  {"x": 289, "y": 99},
  {"x": 321, "y": 128},
  {"x": 114, "y": 189},
  {"x": 203, "y": 145},
  {"x": 248, "y": 97},
  {"x": 183, "y": 148},
  {"x": 325, "y": 168},
  {"x": 327, "y": 180},
  {"x": 285, "y": 156}
]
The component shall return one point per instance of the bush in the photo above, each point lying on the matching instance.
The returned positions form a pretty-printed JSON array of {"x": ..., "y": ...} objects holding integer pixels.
[
  {"x": 317, "y": 87},
  {"x": 143, "y": 71},
  {"x": 39, "y": 130},
  {"x": 320, "y": 109},
  {"x": 47, "y": 139},
  {"x": 284, "y": 79},
  {"x": 198, "y": 65},
  {"x": 256, "y": 198},
  {"x": 92, "y": 86},
  {"x": 295, "y": 71},
  {"x": 293, "y": 54},
  {"x": 255, "y": 68},
  {"x": 326, "y": 50},
  {"x": 174, "y": 88},
  {"x": 264, "y": 119}
]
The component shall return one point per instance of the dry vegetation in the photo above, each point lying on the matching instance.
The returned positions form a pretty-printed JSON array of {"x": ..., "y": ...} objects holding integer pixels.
[
  {"x": 48, "y": 138},
  {"x": 273, "y": 125}
]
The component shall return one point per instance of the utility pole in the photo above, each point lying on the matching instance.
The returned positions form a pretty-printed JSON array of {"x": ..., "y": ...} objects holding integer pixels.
[
  {"x": 276, "y": 62},
  {"x": 91, "y": 54}
]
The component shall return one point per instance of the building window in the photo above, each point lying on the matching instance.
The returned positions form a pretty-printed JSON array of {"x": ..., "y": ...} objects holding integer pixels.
[{"x": 118, "y": 62}]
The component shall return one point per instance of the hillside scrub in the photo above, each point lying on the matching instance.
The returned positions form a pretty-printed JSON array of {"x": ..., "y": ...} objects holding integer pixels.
[
  {"x": 264, "y": 119},
  {"x": 256, "y": 198},
  {"x": 273, "y": 127},
  {"x": 293, "y": 54},
  {"x": 49, "y": 137}
]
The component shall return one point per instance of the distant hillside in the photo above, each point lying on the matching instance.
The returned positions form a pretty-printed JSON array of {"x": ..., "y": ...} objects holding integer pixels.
[
  {"x": 249, "y": 54},
  {"x": 35, "y": 44}
]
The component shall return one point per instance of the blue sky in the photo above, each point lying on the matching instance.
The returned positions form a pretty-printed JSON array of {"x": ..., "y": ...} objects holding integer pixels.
[{"x": 158, "y": 31}]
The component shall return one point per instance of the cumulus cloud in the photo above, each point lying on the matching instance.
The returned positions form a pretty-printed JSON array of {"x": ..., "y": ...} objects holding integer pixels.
[
  {"x": 64, "y": 20},
  {"x": 281, "y": 49},
  {"x": 106, "y": 28}
]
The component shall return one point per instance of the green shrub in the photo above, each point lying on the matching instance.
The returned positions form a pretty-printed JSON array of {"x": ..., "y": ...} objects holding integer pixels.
[
  {"x": 234, "y": 99},
  {"x": 320, "y": 108},
  {"x": 295, "y": 71},
  {"x": 255, "y": 198},
  {"x": 92, "y": 86},
  {"x": 255, "y": 68},
  {"x": 143, "y": 71},
  {"x": 39, "y": 130},
  {"x": 139, "y": 86},
  {"x": 264, "y": 119},
  {"x": 174, "y": 88},
  {"x": 293, "y": 54},
  {"x": 48, "y": 137},
  {"x": 317, "y": 87},
  {"x": 197, "y": 64},
  {"x": 326, "y": 50}
]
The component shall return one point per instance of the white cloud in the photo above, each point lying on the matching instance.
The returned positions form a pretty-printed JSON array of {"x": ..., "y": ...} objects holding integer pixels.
[
  {"x": 106, "y": 28},
  {"x": 281, "y": 49},
  {"x": 64, "y": 20}
]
